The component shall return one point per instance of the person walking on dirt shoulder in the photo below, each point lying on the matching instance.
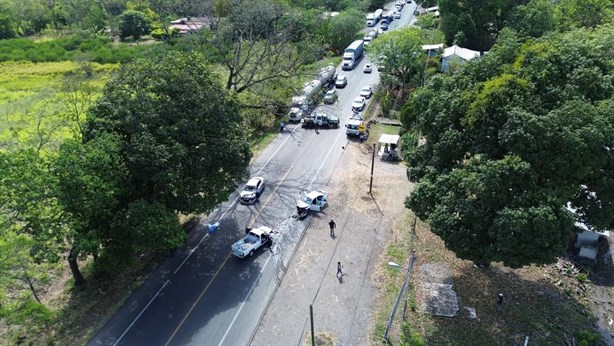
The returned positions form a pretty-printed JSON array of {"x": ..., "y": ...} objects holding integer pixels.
[
  {"x": 332, "y": 225},
  {"x": 339, "y": 271},
  {"x": 281, "y": 127},
  {"x": 499, "y": 302}
]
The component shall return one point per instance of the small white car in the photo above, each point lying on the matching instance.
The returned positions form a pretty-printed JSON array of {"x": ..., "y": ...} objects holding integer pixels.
[
  {"x": 368, "y": 68},
  {"x": 397, "y": 15},
  {"x": 341, "y": 81},
  {"x": 366, "y": 91},
  {"x": 252, "y": 190},
  {"x": 253, "y": 240},
  {"x": 359, "y": 104}
]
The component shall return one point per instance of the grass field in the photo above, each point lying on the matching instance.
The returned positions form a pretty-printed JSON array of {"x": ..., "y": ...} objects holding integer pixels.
[
  {"x": 538, "y": 302},
  {"x": 32, "y": 106}
]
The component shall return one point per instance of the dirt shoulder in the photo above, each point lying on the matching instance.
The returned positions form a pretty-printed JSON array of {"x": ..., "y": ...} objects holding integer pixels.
[{"x": 342, "y": 307}]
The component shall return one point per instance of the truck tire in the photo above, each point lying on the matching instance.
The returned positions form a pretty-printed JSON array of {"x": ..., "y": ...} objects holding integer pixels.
[{"x": 251, "y": 253}]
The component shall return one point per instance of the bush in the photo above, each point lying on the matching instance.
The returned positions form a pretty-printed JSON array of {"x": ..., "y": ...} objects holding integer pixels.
[
  {"x": 159, "y": 34},
  {"x": 410, "y": 339},
  {"x": 588, "y": 338},
  {"x": 62, "y": 49}
]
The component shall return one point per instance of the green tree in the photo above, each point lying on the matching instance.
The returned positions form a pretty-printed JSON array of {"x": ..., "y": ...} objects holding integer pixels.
[
  {"x": 7, "y": 24},
  {"x": 91, "y": 179},
  {"x": 533, "y": 19},
  {"x": 343, "y": 29},
  {"x": 184, "y": 145},
  {"x": 478, "y": 20},
  {"x": 585, "y": 13},
  {"x": 18, "y": 267},
  {"x": 133, "y": 23},
  {"x": 259, "y": 44},
  {"x": 510, "y": 142},
  {"x": 401, "y": 52},
  {"x": 97, "y": 18}
]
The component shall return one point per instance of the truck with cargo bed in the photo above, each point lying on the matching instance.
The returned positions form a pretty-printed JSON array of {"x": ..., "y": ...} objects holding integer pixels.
[{"x": 352, "y": 55}]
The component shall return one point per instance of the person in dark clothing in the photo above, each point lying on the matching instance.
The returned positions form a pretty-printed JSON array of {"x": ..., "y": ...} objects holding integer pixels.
[
  {"x": 499, "y": 302},
  {"x": 332, "y": 225},
  {"x": 339, "y": 271}
]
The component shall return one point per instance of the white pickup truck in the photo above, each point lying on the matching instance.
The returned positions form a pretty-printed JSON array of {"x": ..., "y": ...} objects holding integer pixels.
[{"x": 253, "y": 240}]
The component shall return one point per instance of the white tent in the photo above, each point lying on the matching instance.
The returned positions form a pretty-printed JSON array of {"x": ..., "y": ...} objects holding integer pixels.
[
  {"x": 389, "y": 139},
  {"x": 388, "y": 147}
]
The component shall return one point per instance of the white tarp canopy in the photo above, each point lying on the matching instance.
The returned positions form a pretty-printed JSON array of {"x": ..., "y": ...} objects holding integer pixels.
[{"x": 389, "y": 139}]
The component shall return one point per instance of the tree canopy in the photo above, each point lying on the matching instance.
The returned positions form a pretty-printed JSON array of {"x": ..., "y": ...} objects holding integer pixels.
[
  {"x": 516, "y": 148},
  {"x": 133, "y": 23},
  {"x": 183, "y": 141},
  {"x": 401, "y": 53}
]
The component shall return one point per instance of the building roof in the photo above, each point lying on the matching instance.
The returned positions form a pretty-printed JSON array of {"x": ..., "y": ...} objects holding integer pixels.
[
  {"x": 432, "y": 46},
  {"x": 189, "y": 24},
  {"x": 463, "y": 53}
]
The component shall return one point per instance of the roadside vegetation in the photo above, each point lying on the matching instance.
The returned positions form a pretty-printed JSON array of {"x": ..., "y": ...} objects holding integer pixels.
[
  {"x": 509, "y": 153},
  {"x": 91, "y": 201},
  {"x": 541, "y": 302},
  {"x": 104, "y": 109}
]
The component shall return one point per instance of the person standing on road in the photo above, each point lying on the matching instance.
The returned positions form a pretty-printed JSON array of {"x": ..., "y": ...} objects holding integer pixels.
[
  {"x": 339, "y": 271},
  {"x": 317, "y": 132},
  {"x": 332, "y": 225}
]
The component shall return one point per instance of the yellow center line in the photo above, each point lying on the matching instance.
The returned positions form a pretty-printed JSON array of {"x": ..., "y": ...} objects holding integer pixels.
[
  {"x": 196, "y": 301},
  {"x": 224, "y": 263}
]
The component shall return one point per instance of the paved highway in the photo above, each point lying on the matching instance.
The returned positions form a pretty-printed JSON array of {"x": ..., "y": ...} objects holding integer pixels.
[{"x": 207, "y": 296}]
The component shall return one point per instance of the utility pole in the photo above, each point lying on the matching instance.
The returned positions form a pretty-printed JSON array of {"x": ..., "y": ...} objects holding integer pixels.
[
  {"x": 313, "y": 338},
  {"x": 372, "y": 165}
]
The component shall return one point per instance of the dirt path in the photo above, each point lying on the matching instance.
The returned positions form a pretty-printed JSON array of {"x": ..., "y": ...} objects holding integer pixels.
[{"x": 342, "y": 307}]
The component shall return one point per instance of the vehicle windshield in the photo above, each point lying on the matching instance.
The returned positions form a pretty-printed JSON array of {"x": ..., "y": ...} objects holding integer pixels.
[
  {"x": 250, "y": 239},
  {"x": 306, "y": 199},
  {"x": 249, "y": 188}
]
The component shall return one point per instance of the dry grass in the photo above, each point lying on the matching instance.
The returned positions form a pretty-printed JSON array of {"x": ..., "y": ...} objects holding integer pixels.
[{"x": 539, "y": 302}]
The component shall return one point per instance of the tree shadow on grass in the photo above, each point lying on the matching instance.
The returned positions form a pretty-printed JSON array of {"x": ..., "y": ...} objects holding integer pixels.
[{"x": 534, "y": 305}]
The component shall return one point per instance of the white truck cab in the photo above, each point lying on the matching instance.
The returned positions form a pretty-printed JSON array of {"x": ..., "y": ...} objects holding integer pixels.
[{"x": 354, "y": 127}]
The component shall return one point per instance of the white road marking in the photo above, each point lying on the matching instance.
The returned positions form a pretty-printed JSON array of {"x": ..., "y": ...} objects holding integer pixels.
[
  {"x": 141, "y": 313},
  {"x": 325, "y": 159},
  {"x": 244, "y": 301},
  {"x": 197, "y": 245}
]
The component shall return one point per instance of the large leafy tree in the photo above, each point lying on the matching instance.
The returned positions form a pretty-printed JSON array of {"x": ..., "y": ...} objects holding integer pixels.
[
  {"x": 339, "y": 31},
  {"x": 91, "y": 183},
  {"x": 512, "y": 144},
  {"x": 583, "y": 13},
  {"x": 183, "y": 143},
  {"x": 533, "y": 19},
  {"x": 262, "y": 43},
  {"x": 478, "y": 20},
  {"x": 401, "y": 53},
  {"x": 134, "y": 23},
  {"x": 31, "y": 230}
]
